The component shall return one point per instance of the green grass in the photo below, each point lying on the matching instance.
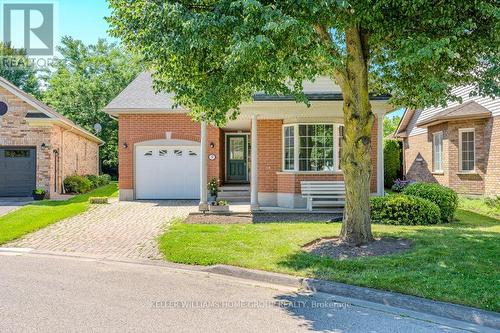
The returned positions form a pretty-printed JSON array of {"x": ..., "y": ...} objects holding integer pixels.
[
  {"x": 456, "y": 263},
  {"x": 479, "y": 206},
  {"x": 41, "y": 214}
]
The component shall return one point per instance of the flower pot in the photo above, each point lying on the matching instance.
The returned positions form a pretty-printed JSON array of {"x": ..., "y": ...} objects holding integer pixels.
[
  {"x": 212, "y": 198},
  {"x": 219, "y": 209},
  {"x": 38, "y": 197}
]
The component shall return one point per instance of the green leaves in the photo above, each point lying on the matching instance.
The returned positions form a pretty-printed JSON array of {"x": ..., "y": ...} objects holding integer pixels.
[
  {"x": 216, "y": 54},
  {"x": 84, "y": 81}
]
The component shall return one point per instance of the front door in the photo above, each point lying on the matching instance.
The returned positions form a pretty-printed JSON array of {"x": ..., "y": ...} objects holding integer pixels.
[{"x": 236, "y": 157}]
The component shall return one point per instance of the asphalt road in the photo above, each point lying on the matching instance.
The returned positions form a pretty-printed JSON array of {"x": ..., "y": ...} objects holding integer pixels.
[{"x": 61, "y": 294}]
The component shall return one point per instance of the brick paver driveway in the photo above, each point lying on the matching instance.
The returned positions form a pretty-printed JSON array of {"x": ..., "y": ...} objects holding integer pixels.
[{"x": 120, "y": 229}]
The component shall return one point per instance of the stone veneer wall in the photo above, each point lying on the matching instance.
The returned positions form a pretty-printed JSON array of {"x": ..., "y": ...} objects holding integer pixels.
[{"x": 15, "y": 131}]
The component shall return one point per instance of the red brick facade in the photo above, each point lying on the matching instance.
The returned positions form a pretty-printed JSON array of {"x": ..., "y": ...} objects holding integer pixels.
[
  {"x": 135, "y": 128},
  {"x": 485, "y": 179},
  {"x": 271, "y": 179}
]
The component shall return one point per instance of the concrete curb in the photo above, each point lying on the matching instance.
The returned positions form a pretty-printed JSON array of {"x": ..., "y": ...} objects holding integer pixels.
[
  {"x": 413, "y": 303},
  {"x": 446, "y": 310},
  {"x": 255, "y": 275}
]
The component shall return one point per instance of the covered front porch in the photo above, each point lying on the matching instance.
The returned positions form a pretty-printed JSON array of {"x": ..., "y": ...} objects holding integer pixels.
[{"x": 265, "y": 156}]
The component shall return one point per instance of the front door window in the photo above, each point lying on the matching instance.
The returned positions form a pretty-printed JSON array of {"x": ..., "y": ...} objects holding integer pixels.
[{"x": 237, "y": 170}]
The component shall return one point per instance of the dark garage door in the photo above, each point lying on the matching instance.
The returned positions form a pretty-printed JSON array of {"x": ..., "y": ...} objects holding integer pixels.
[{"x": 17, "y": 171}]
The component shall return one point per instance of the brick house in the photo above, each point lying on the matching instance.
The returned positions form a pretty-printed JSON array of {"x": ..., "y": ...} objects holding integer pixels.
[
  {"x": 457, "y": 146},
  {"x": 39, "y": 147},
  {"x": 262, "y": 156}
]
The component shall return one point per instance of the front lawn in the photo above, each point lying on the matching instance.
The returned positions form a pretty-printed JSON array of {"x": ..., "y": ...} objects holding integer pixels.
[
  {"x": 41, "y": 214},
  {"x": 458, "y": 262},
  {"x": 485, "y": 206}
]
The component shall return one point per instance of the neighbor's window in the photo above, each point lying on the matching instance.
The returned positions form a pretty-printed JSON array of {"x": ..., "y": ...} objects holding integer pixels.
[
  {"x": 17, "y": 153},
  {"x": 467, "y": 150},
  {"x": 289, "y": 137},
  {"x": 310, "y": 147},
  {"x": 437, "y": 151}
]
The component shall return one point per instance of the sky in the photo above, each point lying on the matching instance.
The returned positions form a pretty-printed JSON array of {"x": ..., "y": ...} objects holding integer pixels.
[{"x": 84, "y": 19}]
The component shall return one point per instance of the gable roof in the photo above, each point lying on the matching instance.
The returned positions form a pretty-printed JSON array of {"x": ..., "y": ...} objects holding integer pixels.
[
  {"x": 140, "y": 95},
  {"x": 50, "y": 113},
  {"x": 468, "y": 110}
]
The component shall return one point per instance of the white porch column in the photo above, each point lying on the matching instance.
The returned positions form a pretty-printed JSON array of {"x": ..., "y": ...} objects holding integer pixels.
[
  {"x": 203, "y": 168},
  {"x": 380, "y": 153},
  {"x": 254, "y": 181}
]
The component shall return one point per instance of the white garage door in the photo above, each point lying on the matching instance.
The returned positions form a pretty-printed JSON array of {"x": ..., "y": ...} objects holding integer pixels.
[{"x": 168, "y": 172}]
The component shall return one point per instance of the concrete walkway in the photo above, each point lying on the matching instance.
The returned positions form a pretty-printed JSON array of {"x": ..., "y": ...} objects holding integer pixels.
[
  {"x": 8, "y": 205},
  {"x": 120, "y": 229}
]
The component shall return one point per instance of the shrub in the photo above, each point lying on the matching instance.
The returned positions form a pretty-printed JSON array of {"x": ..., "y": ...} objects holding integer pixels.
[
  {"x": 400, "y": 184},
  {"x": 98, "y": 200},
  {"x": 96, "y": 182},
  {"x": 392, "y": 161},
  {"x": 493, "y": 202},
  {"x": 404, "y": 210},
  {"x": 445, "y": 198},
  {"x": 77, "y": 184},
  {"x": 106, "y": 179},
  {"x": 213, "y": 187}
]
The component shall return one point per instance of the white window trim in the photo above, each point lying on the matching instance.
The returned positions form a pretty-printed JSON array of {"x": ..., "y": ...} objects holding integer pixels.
[
  {"x": 460, "y": 131},
  {"x": 296, "y": 139},
  {"x": 434, "y": 135}
]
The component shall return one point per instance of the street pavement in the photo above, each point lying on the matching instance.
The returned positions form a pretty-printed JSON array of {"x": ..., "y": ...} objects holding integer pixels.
[{"x": 47, "y": 293}]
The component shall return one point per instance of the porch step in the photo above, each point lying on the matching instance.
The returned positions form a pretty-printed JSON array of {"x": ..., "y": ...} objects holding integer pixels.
[
  {"x": 235, "y": 188},
  {"x": 234, "y": 193}
]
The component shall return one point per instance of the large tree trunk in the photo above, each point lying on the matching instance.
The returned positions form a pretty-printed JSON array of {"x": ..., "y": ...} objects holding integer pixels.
[{"x": 356, "y": 154}]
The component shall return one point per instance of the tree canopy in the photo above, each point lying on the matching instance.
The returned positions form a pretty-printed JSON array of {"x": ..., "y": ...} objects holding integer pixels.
[
  {"x": 16, "y": 67},
  {"x": 216, "y": 54},
  {"x": 391, "y": 124},
  {"x": 84, "y": 81}
]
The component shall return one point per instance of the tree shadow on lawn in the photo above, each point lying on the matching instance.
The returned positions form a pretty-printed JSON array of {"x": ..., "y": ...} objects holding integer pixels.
[{"x": 459, "y": 265}]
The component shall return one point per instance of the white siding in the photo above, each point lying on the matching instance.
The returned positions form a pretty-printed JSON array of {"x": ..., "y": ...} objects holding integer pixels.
[{"x": 491, "y": 104}]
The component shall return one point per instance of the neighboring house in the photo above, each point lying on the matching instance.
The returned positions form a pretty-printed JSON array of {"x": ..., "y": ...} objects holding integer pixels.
[
  {"x": 457, "y": 146},
  {"x": 273, "y": 145},
  {"x": 38, "y": 146}
]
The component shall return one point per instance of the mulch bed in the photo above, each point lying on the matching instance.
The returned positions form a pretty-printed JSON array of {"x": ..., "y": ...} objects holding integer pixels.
[
  {"x": 336, "y": 249},
  {"x": 219, "y": 219}
]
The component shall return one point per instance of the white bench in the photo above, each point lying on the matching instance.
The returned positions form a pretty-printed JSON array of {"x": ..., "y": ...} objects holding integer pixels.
[{"x": 323, "y": 193}]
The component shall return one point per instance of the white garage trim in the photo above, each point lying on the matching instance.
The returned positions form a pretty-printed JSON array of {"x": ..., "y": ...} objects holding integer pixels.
[{"x": 163, "y": 172}]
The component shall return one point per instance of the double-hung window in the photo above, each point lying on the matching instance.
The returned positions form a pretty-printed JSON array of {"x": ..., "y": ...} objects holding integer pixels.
[
  {"x": 437, "y": 152},
  {"x": 467, "y": 153},
  {"x": 311, "y": 147}
]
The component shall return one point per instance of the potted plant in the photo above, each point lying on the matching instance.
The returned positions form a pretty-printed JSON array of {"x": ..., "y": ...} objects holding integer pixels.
[
  {"x": 220, "y": 206},
  {"x": 39, "y": 194},
  {"x": 213, "y": 190}
]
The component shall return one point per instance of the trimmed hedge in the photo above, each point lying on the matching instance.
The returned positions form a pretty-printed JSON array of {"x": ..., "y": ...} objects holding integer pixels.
[
  {"x": 404, "y": 210},
  {"x": 83, "y": 184},
  {"x": 77, "y": 184},
  {"x": 444, "y": 197},
  {"x": 392, "y": 161}
]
